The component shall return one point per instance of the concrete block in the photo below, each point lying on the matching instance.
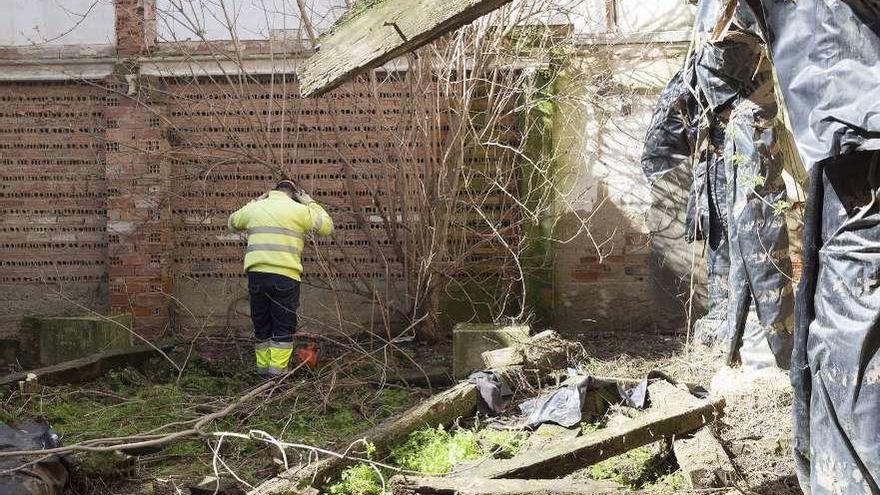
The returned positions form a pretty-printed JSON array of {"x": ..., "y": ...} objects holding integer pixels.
[
  {"x": 504, "y": 357},
  {"x": 51, "y": 340},
  {"x": 471, "y": 340},
  {"x": 704, "y": 462}
]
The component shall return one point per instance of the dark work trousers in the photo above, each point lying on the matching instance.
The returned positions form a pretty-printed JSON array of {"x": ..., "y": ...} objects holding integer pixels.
[{"x": 274, "y": 301}]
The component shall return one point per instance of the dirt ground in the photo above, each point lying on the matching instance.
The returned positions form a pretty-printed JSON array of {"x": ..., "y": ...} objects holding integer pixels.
[{"x": 756, "y": 427}]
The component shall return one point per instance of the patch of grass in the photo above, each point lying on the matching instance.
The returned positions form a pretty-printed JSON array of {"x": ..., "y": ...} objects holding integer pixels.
[
  {"x": 436, "y": 450},
  {"x": 361, "y": 479},
  {"x": 503, "y": 443},
  {"x": 668, "y": 484},
  {"x": 430, "y": 450},
  {"x": 634, "y": 469},
  {"x": 129, "y": 401},
  {"x": 587, "y": 428},
  {"x": 393, "y": 399}
]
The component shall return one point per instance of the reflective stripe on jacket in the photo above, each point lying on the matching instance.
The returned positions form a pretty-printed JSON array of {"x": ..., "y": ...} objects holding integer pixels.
[{"x": 276, "y": 227}]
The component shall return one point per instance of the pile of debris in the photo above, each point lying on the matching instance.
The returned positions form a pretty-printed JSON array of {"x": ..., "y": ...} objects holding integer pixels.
[{"x": 658, "y": 410}]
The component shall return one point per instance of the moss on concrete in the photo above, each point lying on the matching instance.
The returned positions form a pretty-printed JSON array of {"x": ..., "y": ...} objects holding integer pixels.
[{"x": 50, "y": 340}]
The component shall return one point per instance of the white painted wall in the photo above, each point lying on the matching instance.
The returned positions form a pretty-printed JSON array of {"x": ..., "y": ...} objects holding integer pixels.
[
  {"x": 643, "y": 16},
  {"x": 182, "y": 20},
  {"x": 72, "y": 22},
  {"x": 57, "y": 22}
]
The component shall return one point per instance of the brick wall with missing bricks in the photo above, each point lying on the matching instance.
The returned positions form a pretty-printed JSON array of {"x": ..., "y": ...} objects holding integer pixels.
[
  {"x": 53, "y": 189},
  {"x": 115, "y": 197},
  {"x": 228, "y": 143},
  {"x": 355, "y": 150}
]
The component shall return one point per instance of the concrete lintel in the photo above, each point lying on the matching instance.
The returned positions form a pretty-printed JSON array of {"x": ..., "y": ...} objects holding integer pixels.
[
  {"x": 56, "y": 52},
  {"x": 56, "y": 70},
  {"x": 587, "y": 40}
]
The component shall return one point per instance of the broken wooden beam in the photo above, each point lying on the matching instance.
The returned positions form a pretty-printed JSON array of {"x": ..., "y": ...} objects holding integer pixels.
[
  {"x": 673, "y": 412},
  {"x": 402, "y": 485},
  {"x": 704, "y": 461},
  {"x": 91, "y": 367},
  {"x": 382, "y": 32}
]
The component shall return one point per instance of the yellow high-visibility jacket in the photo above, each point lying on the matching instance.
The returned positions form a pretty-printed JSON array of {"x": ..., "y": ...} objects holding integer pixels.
[{"x": 276, "y": 227}]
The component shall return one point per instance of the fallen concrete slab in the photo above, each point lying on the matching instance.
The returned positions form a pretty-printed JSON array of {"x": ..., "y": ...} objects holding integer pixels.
[
  {"x": 703, "y": 461},
  {"x": 673, "y": 412},
  {"x": 401, "y": 485},
  {"x": 57, "y": 339},
  {"x": 90, "y": 367}
]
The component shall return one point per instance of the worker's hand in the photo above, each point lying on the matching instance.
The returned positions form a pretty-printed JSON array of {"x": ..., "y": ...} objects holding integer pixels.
[
  {"x": 262, "y": 196},
  {"x": 301, "y": 197}
]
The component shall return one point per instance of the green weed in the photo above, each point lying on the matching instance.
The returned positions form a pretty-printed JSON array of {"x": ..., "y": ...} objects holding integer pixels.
[
  {"x": 436, "y": 450},
  {"x": 361, "y": 479},
  {"x": 634, "y": 469}
]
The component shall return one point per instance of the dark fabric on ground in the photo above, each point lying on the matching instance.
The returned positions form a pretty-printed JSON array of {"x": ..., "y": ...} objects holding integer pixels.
[
  {"x": 494, "y": 395},
  {"x": 46, "y": 477}
]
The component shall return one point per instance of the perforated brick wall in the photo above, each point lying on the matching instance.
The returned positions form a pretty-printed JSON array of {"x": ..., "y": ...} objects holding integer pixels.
[
  {"x": 53, "y": 192},
  {"x": 120, "y": 200}
]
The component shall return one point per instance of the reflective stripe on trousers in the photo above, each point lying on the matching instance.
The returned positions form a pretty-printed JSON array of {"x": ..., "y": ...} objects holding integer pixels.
[
  {"x": 262, "y": 353},
  {"x": 279, "y": 357}
]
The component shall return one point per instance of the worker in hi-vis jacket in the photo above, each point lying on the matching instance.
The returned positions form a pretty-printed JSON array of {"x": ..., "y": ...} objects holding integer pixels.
[{"x": 277, "y": 223}]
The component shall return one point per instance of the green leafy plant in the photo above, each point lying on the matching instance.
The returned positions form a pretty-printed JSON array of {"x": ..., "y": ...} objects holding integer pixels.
[
  {"x": 436, "y": 450},
  {"x": 360, "y": 479},
  {"x": 781, "y": 206},
  {"x": 739, "y": 159}
]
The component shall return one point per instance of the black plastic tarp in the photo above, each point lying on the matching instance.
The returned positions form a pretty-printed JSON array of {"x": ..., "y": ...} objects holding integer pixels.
[
  {"x": 565, "y": 405},
  {"x": 723, "y": 98},
  {"x": 671, "y": 135},
  {"x": 30, "y": 475},
  {"x": 827, "y": 59},
  {"x": 760, "y": 265},
  {"x": 827, "y": 56},
  {"x": 494, "y": 394}
]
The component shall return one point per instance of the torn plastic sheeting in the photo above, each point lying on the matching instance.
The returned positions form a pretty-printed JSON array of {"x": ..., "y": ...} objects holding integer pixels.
[
  {"x": 760, "y": 263},
  {"x": 494, "y": 394},
  {"x": 564, "y": 406},
  {"x": 835, "y": 360},
  {"x": 46, "y": 476},
  {"x": 669, "y": 141},
  {"x": 827, "y": 59},
  {"x": 637, "y": 396},
  {"x": 726, "y": 66}
]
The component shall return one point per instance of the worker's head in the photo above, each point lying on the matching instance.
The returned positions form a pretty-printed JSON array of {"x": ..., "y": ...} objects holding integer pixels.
[{"x": 288, "y": 187}]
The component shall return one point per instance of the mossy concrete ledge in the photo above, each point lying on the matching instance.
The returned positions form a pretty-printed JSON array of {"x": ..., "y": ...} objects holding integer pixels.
[
  {"x": 51, "y": 340},
  {"x": 471, "y": 340}
]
